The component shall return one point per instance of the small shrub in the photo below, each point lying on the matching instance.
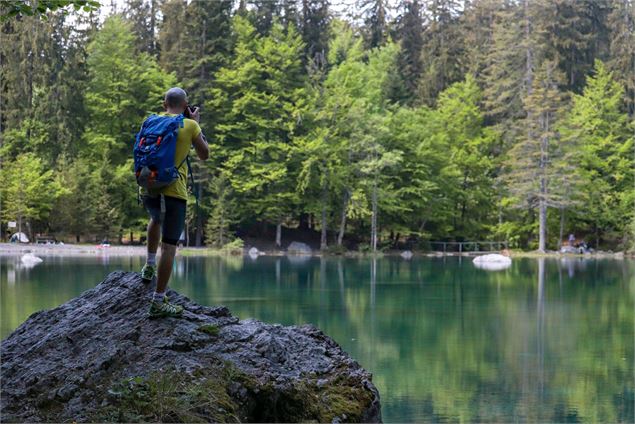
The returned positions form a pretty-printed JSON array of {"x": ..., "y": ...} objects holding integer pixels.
[
  {"x": 336, "y": 250},
  {"x": 234, "y": 247}
]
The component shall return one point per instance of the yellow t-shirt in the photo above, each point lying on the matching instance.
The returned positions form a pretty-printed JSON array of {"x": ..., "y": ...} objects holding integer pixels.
[{"x": 185, "y": 137}]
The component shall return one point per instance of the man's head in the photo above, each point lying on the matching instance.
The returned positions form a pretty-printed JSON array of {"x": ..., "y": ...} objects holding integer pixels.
[{"x": 175, "y": 100}]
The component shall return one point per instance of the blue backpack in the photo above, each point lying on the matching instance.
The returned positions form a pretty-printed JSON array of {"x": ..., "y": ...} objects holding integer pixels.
[{"x": 154, "y": 151}]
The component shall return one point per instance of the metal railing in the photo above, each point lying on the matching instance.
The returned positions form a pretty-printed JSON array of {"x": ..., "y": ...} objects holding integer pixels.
[{"x": 468, "y": 246}]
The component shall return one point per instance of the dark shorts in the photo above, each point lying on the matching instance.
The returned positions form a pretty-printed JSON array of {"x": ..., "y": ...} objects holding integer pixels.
[{"x": 173, "y": 220}]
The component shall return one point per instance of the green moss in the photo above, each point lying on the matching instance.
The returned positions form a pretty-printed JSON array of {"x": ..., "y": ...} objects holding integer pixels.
[
  {"x": 223, "y": 393},
  {"x": 210, "y": 329},
  {"x": 171, "y": 396},
  {"x": 341, "y": 398}
]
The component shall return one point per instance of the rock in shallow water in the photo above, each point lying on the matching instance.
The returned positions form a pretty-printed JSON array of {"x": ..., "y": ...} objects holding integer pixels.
[{"x": 99, "y": 357}]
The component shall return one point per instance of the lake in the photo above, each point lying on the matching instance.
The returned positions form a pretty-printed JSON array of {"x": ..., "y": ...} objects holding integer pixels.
[{"x": 545, "y": 340}]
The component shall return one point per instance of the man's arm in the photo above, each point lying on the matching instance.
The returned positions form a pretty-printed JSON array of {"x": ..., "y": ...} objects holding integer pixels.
[
  {"x": 199, "y": 143},
  {"x": 201, "y": 147}
]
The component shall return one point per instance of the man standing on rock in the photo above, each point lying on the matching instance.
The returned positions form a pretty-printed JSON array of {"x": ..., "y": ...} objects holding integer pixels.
[{"x": 167, "y": 205}]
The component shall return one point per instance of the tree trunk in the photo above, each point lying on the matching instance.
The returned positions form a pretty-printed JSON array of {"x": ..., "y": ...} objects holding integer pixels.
[
  {"x": 561, "y": 228},
  {"x": 279, "y": 235},
  {"x": 542, "y": 223},
  {"x": 221, "y": 230},
  {"x": 323, "y": 244},
  {"x": 153, "y": 13},
  {"x": 304, "y": 223},
  {"x": 323, "y": 223},
  {"x": 199, "y": 218},
  {"x": 340, "y": 234},
  {"x": 131, "y": 237},
  {"x": 373, "y": 221},
  {"x": 187, "y": 234}
]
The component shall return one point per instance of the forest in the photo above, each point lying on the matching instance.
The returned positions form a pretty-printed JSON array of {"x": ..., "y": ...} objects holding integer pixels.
[{"x": 368, "y": 124}]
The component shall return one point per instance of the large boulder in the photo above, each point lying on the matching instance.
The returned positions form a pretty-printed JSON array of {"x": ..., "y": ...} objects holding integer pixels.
[{"x": 99, "y": 357}]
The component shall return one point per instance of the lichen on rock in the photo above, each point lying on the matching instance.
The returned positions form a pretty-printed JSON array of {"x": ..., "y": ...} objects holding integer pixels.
[{"x": 99, "y": 357}]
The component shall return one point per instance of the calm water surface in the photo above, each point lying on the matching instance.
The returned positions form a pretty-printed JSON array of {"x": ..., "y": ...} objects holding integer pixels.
[{"x": 546, "y": 340}]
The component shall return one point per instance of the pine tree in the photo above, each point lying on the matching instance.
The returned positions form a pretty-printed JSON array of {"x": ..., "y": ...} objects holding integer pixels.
[
  {"x": 604, "y": 143},
  {"x": 505, "y": 70},
  {"x": 621, "y": 21},
  {"x": 315, "y": 30},
  {"x": 410, "y": 33},
  {"x": 259, "y": 97},
  {"x": 571, "y": 33},
  {"x": 443, "y": 51},
  {"x": 143, "y": 15},
  {"x": 376, "y": 24},
  {"x": 531, "y": 164},
  {"x": 171, "y": 35}
]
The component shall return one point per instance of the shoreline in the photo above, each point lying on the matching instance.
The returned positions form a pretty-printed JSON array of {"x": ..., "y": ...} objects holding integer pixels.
[{"x": 10, "y": 249}]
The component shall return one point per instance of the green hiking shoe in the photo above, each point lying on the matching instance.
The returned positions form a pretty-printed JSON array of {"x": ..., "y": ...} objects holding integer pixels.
[
  {"x": 165, "y": 309},
  {"x": 148, "y": 272}
]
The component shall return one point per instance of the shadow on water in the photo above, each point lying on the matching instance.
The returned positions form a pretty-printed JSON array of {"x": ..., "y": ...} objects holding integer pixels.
[{"x": 545, "y": 340}]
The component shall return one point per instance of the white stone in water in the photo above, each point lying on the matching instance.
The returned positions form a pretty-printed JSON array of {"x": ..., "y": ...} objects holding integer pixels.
[
  {"x": 492, "y": 262},
  {"x": 30, "y": 259},
  {"x": 254, "y": 253},
  {"x": 406, "y": 254}
]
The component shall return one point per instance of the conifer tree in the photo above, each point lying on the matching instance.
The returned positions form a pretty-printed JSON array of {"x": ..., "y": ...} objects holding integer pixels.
[
  {"x": 259, "y": 97},
  {"x": 410, "y": 35},
  {"x": 621, "y": 22},
  {"x": 532, "y": 168},
  {"x": 315, "y": 29},
  {"x": 604, "y": 142},
  {"x": 443, "y": 51},
  {"x": 376, "y": 23},
  {"x": 143, "y": 16}
]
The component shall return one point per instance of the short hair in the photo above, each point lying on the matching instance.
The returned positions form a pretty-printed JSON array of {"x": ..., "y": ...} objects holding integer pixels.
[{"x": 175, "y": 96}]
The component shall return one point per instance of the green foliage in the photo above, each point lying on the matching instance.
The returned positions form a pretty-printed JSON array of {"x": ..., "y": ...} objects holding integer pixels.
[
  {"x": 122, "y": 89},
  {"x": 259, "y": 96},
  {"x": 234, "y": 247},
  {"x": 28, "y": 191},
  {"x": 456, "y": 131},
  {"x": 13, "y": 8},
  {"x": 604, "y": 142}
]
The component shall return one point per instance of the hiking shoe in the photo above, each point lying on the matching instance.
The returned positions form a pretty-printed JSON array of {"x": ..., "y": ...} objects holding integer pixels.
[
  {"x": 148, "y": 272},
  {"x": 165, "y": 309}
]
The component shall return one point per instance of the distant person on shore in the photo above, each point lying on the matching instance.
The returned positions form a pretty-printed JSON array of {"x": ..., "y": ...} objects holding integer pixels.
[
  {"x": 166, "y": 204},
  {"x": 571, "y": 239}
]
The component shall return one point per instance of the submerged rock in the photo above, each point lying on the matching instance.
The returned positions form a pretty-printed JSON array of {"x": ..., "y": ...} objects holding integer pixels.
[{"x": 99, "y": 357}]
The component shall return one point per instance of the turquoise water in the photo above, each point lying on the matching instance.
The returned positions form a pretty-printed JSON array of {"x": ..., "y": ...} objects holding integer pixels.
[{"x": 546, "y": 340}]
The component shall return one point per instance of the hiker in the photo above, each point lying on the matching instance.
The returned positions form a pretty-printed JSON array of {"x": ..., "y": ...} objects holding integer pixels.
[
  {"x": 161, "y": 152},
  {"x": 571, "y": 240}
]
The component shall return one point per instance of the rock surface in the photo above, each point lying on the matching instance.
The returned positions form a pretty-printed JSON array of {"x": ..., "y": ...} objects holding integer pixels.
[{"x": 99, "y": 357}]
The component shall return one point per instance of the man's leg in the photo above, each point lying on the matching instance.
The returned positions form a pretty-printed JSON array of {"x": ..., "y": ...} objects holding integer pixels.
[
  {"x": 148, "y": 272},
  {"x": 154, "y": 235},
  {"x": 171, "y": 229},
  {"x": 166, "y": 261}
]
